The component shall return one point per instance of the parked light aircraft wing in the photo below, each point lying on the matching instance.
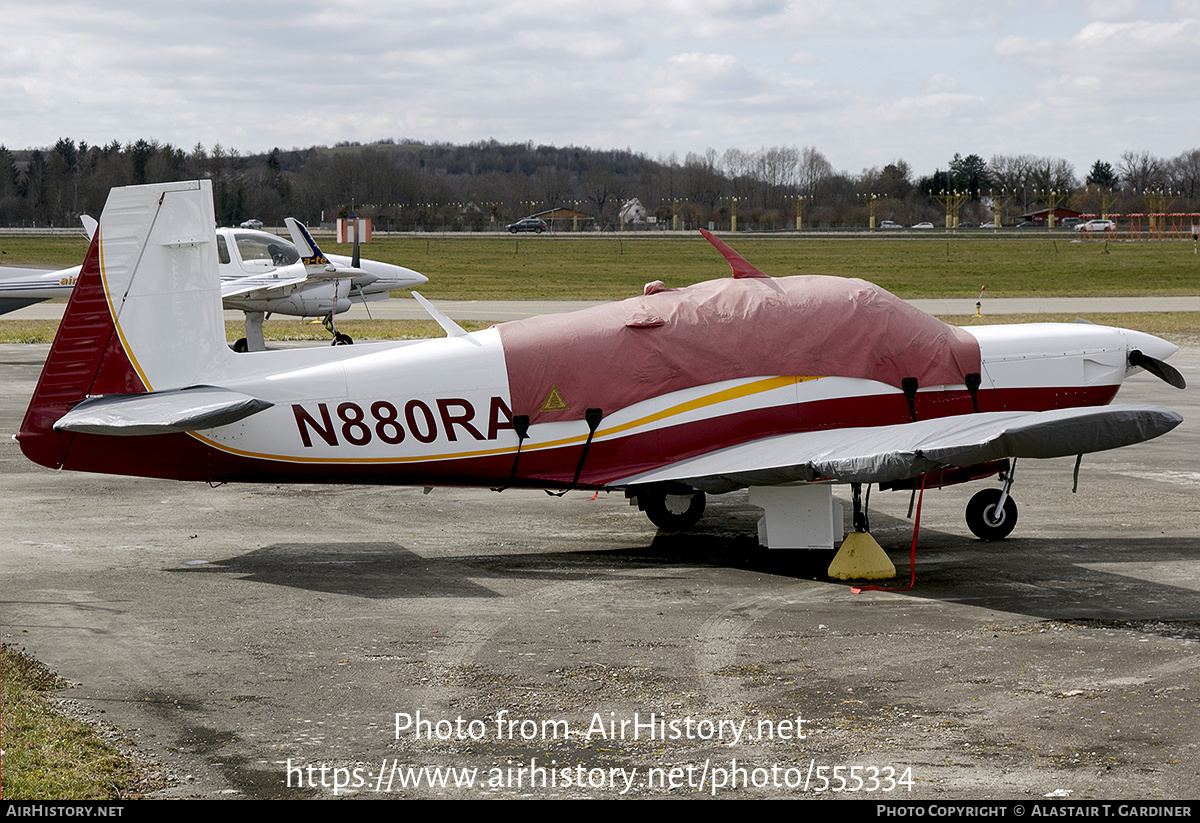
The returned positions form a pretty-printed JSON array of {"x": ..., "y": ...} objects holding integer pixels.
[
  {"x": 21, "y": 287},
  {"x": 260, "y": 286},
  {"x": 881, "y": 454}
]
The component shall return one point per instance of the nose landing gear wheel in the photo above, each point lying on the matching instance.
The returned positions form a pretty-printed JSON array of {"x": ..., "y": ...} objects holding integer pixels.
[
  {"x": 986, "y": 521},
  {"x": 340, "y": 339}
]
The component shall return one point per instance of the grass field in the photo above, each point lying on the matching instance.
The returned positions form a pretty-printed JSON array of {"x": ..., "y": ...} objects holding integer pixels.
[
  {"x": 614, "y": 265},
  {"x": 47, "y": 755},
  {"x": 1182, "y": 328}
]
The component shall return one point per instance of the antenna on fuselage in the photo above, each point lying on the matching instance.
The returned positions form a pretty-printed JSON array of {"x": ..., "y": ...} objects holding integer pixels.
[{"x": 740, "y": 265}]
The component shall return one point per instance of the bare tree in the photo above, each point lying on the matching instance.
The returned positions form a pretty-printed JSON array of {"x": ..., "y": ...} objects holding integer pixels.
[
  {"x": 552, "y": 184},
  {"x": 1142, "y": 171},
  {"x": 702, "y": 181},
  {"x": 813, "y": 168},
  {"x": 602, "y": 188},
  {"x": 1184, "y": 174}
]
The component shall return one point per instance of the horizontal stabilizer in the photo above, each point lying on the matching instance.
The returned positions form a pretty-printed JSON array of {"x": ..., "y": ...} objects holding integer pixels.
[
  {"x": 161, "y": 412},
  {"x": 887, "y": 453}
]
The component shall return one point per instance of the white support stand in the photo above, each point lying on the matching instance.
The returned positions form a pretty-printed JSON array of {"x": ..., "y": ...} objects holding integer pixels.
[
  {"x": 799, "y": 516},
  {"x": 254, "y": 332}
]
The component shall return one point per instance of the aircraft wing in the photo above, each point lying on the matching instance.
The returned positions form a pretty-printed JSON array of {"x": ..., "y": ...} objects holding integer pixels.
[
  {"x": 24, "y": 287},
  {"x": 8, "y": 304},
  {"x": 258, "y": 285},
  {"x": 887, "y": 453}
]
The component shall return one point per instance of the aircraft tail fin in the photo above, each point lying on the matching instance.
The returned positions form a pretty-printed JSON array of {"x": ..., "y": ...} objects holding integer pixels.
[
  {"x": 314, "y": 260},
  {"x": 145, "y": 313}
]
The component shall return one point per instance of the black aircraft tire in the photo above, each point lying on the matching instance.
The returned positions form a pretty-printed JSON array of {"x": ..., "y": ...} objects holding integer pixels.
[
  {"x": 674, "y": 512},
  {"x": 340, "y": 339},
  {"x": 241, "y": 346},
  {"x": 981, "y": 512}
]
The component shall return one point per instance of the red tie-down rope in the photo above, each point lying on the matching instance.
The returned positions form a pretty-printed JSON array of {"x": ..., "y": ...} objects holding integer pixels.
[{"x": 912, "y": 555}]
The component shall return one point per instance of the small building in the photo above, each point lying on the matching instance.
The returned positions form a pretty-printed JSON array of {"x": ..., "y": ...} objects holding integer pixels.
[
  {"x": 564, "y": 219},
  {"x": 1060, "y": 214},
  {"x": 347, "y": 226}
]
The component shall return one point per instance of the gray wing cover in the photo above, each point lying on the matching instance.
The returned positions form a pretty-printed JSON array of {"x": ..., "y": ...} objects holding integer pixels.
[
  {"x": 886, "y": 453},
  {"x": 161, "y": 412}
]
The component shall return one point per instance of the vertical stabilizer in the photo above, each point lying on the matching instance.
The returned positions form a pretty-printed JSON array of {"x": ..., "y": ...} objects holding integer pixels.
[
  {"x": 145, "y": 313},
  {"x": 158, "y": 261}
]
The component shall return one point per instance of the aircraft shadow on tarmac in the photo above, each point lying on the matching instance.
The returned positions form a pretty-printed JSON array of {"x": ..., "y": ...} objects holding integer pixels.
[{"x": 1049, "y": 578}]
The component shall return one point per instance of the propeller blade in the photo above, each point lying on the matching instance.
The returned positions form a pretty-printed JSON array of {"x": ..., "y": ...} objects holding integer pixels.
[{"x": 1158, "y": 368}]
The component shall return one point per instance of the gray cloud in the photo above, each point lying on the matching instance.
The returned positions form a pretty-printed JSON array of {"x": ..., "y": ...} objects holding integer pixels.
[{"x": 865, "y": 83}]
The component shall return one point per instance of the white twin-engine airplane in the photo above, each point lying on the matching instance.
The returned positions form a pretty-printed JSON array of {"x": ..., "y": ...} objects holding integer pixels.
[
  {"x": 785, "y": 386},
  {"x": 261, "y": 274}
]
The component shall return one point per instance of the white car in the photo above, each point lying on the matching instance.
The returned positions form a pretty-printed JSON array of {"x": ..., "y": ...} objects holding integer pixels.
[
  {"x": 252, "y": 223},
  {"x": 925, "y": 225},
  {"x": 888, "y": 224},
  {"x": 1097, "y": 225}
]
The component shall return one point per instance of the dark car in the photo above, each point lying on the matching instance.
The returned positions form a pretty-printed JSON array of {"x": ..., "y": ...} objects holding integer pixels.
[{"x": 536, "y": 224}]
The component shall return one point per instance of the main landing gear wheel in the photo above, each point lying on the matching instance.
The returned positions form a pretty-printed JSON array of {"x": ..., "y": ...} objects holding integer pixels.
[
  {"x": 340, "y": 339},
  {"x": 985, "y": 521},
  {"x": 673, "y": 512},
  {"x": 241, "y": 346}
]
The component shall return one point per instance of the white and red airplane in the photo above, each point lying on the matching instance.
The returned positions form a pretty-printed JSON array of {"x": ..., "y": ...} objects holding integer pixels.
[
  {"x": 261, "y": 274},
  {"x": 782, "y": 385}
]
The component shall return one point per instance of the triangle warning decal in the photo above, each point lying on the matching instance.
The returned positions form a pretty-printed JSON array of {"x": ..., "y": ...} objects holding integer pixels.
[{"x": 554, "y": 401}]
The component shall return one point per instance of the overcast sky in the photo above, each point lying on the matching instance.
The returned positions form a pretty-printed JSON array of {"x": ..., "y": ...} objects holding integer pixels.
[{"x": 864, "y": 82}]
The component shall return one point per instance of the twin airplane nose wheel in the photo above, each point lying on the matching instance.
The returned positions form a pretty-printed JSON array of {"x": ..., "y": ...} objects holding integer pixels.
[{"x": 986, "y": 520}]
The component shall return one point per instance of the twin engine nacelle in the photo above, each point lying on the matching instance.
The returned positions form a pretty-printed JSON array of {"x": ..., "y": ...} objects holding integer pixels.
[{"x": 315, "y": 301}]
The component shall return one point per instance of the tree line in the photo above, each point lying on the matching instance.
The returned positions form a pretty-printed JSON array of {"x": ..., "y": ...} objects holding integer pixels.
[{"x": 411, "y": 185}]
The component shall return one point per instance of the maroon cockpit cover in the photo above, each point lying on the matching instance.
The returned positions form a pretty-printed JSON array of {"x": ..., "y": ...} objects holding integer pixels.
[{"x": 615, "y": 355}]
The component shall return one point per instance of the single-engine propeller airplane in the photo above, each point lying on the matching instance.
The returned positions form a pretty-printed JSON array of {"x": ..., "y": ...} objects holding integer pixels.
[
  {"x": 782, "y": 385},
  {"x": 261, "y": 274}
]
